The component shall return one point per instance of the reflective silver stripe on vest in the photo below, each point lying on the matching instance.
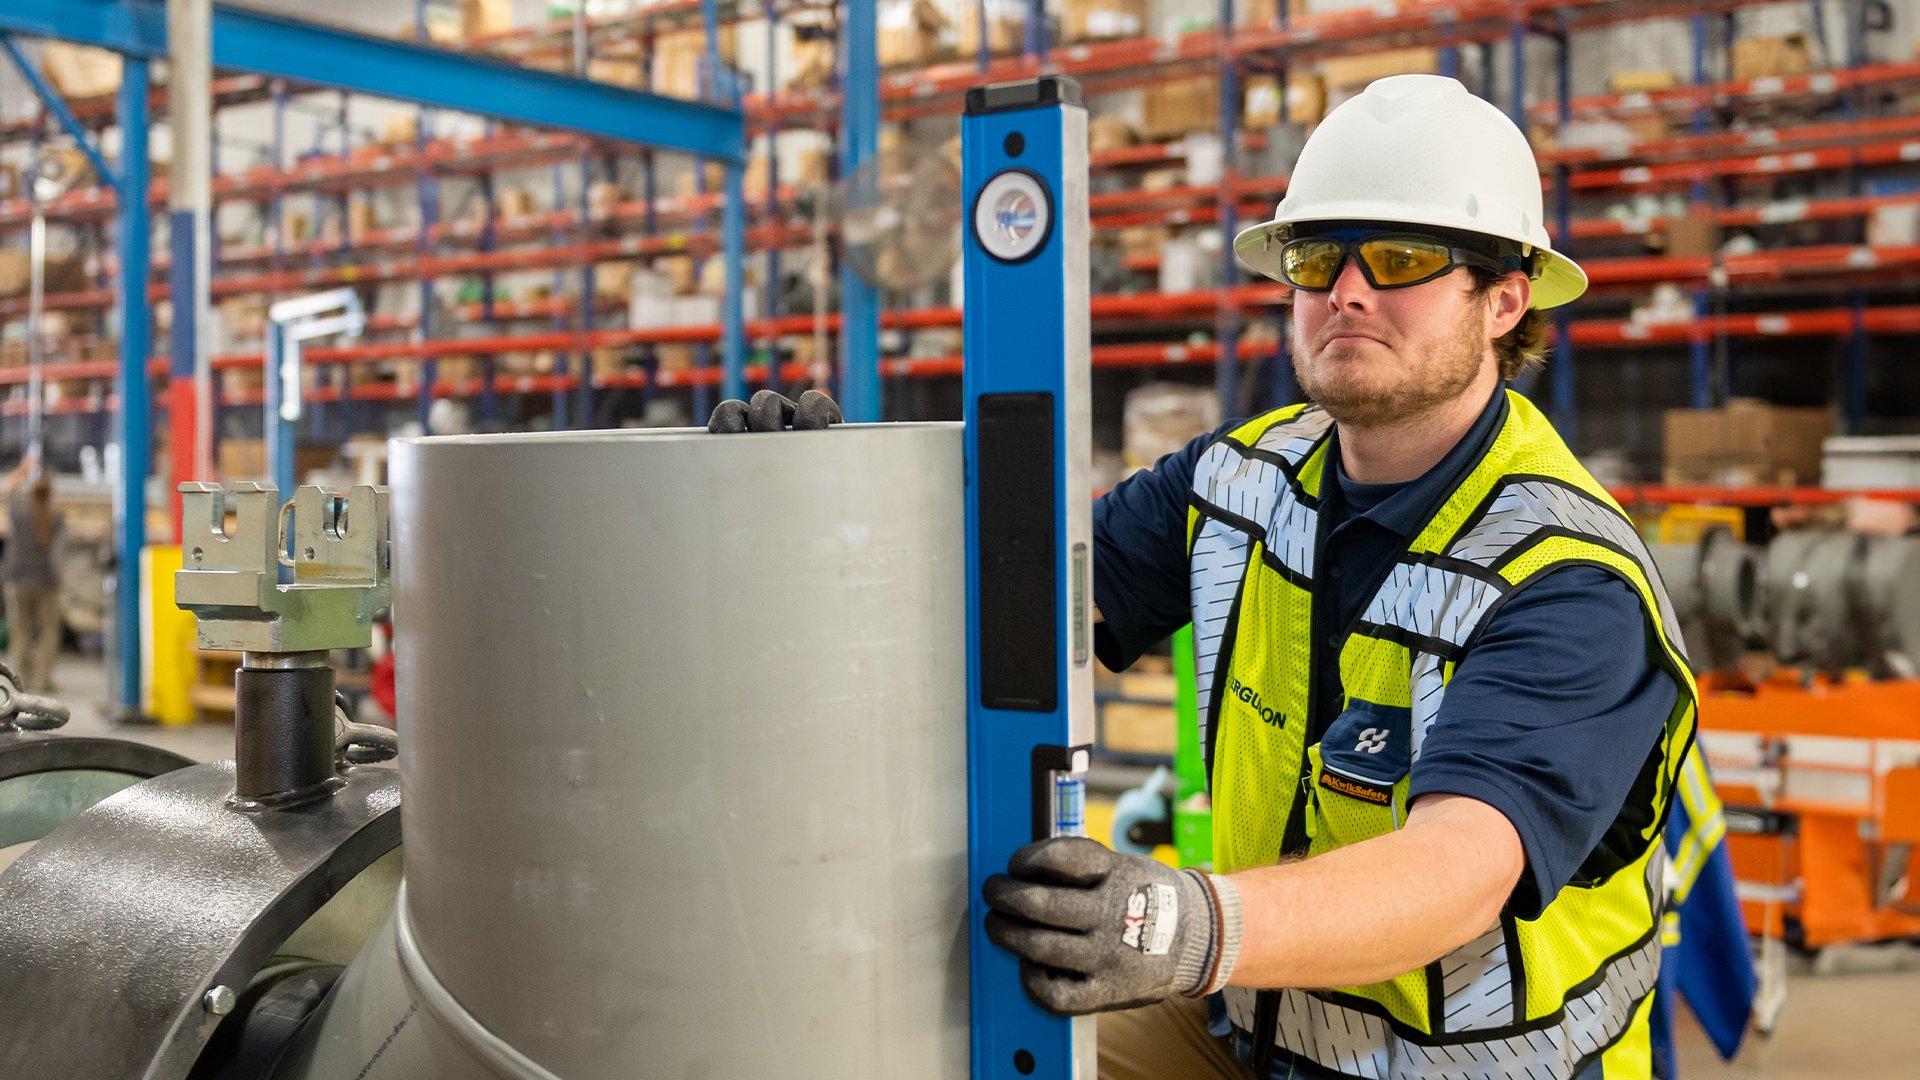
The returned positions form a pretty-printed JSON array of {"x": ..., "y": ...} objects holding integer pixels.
[
  {"x": 1246, "y": 487},
  {"x": 1524, "y": 508},
  {"x": 1216, "y": 567},
  {"x": 1358, "y": 1043},
  {"x": 1478, "y": 984},
  {"x": 1257, "y": 491},
  {"x": 1444, "y": 605},
  {"x": 1429, "y": 686}
]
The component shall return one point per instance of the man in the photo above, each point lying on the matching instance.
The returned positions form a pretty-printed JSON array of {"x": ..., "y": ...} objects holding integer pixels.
[
  {"x": 1442, "y": 695},
  {"x": 31, "y": 577}
]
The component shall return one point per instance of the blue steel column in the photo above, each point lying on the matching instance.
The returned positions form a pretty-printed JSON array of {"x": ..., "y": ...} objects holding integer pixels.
[
  {"x": 770, "y": 279},
  {"x": 562, "y": 365},
  {"x": 277, "y": 432},
  {"x": 135, "y": 417},
  {"x": 1280, "y": 385},
  {"x": 1700, "y": 353},
  {"x": 1565, "y": 413},
  {"x": 860, "y": 140},
  {"x": 1857, "y": 367},
  {"x": 733, "y": 224},
  {"x": 1857, "y": 334},
  {"x": 489, "y": 395},
  {"x": 429, "y": 200},
  {"x": 1226, "y": 316}
]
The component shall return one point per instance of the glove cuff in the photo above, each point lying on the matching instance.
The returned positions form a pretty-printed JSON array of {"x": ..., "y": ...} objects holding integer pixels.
[{"x": 1223, "y": 945}]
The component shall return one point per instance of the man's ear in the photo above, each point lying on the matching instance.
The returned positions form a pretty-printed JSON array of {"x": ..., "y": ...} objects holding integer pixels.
[{"x": 1507, "y": 304}]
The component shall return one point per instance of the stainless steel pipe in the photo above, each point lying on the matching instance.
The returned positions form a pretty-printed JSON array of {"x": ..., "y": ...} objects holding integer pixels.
[{"x": 683, "y": 739}]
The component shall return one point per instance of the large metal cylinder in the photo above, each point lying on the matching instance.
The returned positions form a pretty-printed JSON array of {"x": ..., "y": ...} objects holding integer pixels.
[{"x": 683, "y": 724}]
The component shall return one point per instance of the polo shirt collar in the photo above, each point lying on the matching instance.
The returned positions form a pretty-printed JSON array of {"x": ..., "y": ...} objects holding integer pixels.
[{"x": 1407, "y": 511}]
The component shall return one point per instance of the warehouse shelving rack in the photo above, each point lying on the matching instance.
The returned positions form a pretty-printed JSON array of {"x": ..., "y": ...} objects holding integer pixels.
[
  {"x": 281, "y": 56},
  {"x": 1685, "y": 160}
]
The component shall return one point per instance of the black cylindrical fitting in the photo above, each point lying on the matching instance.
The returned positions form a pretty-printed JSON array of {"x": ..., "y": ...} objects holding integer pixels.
[{"x": 283, "y": 734}]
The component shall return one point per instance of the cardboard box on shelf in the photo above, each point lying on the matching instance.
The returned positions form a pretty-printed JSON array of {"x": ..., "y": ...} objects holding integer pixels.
[
  {"x": 237, "y": 381},
  {"x": 676, "y": 355},
  {"x": 1649, "y": 128},
  {"x": 1160, "y": 418},
  {"x": 808, "y": 167},
  {"x": 80, "y": 71},
  {"x": 1691, "y": 236},
  {"x": 1306, "y": 98},
  {"x": 1641, "y": 82},
  {"x": 457, "y": 369},
  {"x": 679, "y": 56},
  {"x": 1105, "y": 134},
  {"x": 617, "y": 71},
  {"x": 1142, "y": 243},
  {"x": 1006, "y": 27},
  {"x": 65, "y": 273},
  {"x": 678, "y": 271},
  {"x": 913, "y": 32},
  {"x": 513, "y": 203},
  {"x": 602, "y": 197},
  {"x": 240, "y": 322},
  {"x": 1761, "y": 56},
  {"x": 1101, "y": 20},
  {"x": 360, "y": 216},
  {"x": 1129, "y": 727},
  {"x": 1260, "y": 103},
  {"x": 1745, "y": 442},
  {"x": 687, "y": 184},
  {"x": 613, "y": 279},
  {"x": 1306, "y": 101},
  {"x": 810, "y": 65},
  {"x": 484, "y": 18},
  {"x": 246, "y": 459},
  {"x": 1179, "y": 106},
  {"x": 400, "y": 128},
  {"x": 1355, "y": 72}
]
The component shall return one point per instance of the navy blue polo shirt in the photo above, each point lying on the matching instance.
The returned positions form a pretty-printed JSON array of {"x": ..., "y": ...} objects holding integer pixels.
[{"x": 1550, "y": 718}]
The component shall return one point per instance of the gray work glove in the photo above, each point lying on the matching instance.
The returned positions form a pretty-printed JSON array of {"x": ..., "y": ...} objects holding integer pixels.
[{"x": 1097, "y": 930}]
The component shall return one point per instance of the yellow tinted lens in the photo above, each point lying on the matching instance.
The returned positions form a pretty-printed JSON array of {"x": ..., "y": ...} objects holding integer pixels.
[
  {"x": 1310, "y": 264},
  {"x": 1403, "y": 261}
]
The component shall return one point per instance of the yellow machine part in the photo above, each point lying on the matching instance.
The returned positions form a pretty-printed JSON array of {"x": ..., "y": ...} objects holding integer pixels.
[{"x": 167, "y": 640}]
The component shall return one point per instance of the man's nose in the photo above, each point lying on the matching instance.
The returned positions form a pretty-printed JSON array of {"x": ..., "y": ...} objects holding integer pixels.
[{"x": 1351, "y": 290}]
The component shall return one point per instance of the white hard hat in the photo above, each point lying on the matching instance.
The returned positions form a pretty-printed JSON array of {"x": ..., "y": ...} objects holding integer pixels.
[{"x": 1419, "y": 150}]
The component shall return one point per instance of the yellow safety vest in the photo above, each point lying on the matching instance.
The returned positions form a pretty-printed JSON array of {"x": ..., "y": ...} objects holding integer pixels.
[{"x": 1531, "y": 998}]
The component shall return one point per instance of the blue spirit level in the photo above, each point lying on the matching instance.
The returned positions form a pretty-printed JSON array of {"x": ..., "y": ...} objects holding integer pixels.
[{"x": 1029, "y": 589}]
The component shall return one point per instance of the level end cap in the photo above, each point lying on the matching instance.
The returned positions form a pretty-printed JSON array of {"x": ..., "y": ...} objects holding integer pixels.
[{"x": 1024, "y": 94}]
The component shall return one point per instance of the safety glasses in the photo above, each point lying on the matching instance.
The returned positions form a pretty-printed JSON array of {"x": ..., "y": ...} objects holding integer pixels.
[{"x": 1387, "y": 260}]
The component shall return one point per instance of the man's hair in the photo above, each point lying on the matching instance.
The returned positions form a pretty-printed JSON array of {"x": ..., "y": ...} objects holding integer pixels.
[{"x": 1525, "y": 345}]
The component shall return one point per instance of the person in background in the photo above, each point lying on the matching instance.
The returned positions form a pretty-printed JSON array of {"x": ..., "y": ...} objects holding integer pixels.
[{"x": 31, "y": 578}]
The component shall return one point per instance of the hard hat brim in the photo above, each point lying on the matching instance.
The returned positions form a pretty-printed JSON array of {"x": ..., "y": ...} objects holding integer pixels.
[{"x": 1561, "y": 280}]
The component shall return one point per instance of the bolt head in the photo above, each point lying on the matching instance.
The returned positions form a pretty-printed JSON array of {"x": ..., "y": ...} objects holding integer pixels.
[{"x": 219, "y": 1000}]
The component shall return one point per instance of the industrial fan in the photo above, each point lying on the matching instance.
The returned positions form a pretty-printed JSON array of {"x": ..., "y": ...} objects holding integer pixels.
[{"x": 899, "y": 217}]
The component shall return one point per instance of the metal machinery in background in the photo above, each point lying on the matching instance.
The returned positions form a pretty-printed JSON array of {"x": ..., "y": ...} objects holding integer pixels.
[
  {"x": 47, "y": 777},
  {"x": 1830, "y": 599},
  {"x": 686, "y": 719},
  {"x": 221, "y": 867},
  {"x": 1807, "y": 651}
]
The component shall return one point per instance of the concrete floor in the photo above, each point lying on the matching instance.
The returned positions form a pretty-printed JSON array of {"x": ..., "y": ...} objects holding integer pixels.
[{"x": 1856, "y": 1014}]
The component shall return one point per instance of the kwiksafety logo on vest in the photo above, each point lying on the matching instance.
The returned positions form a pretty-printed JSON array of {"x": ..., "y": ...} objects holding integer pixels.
[{"x": 1250, "y": 697}]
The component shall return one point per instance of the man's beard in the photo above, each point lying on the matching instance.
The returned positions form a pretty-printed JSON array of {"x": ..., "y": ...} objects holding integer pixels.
[{"x": 1445, "y": 369}]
